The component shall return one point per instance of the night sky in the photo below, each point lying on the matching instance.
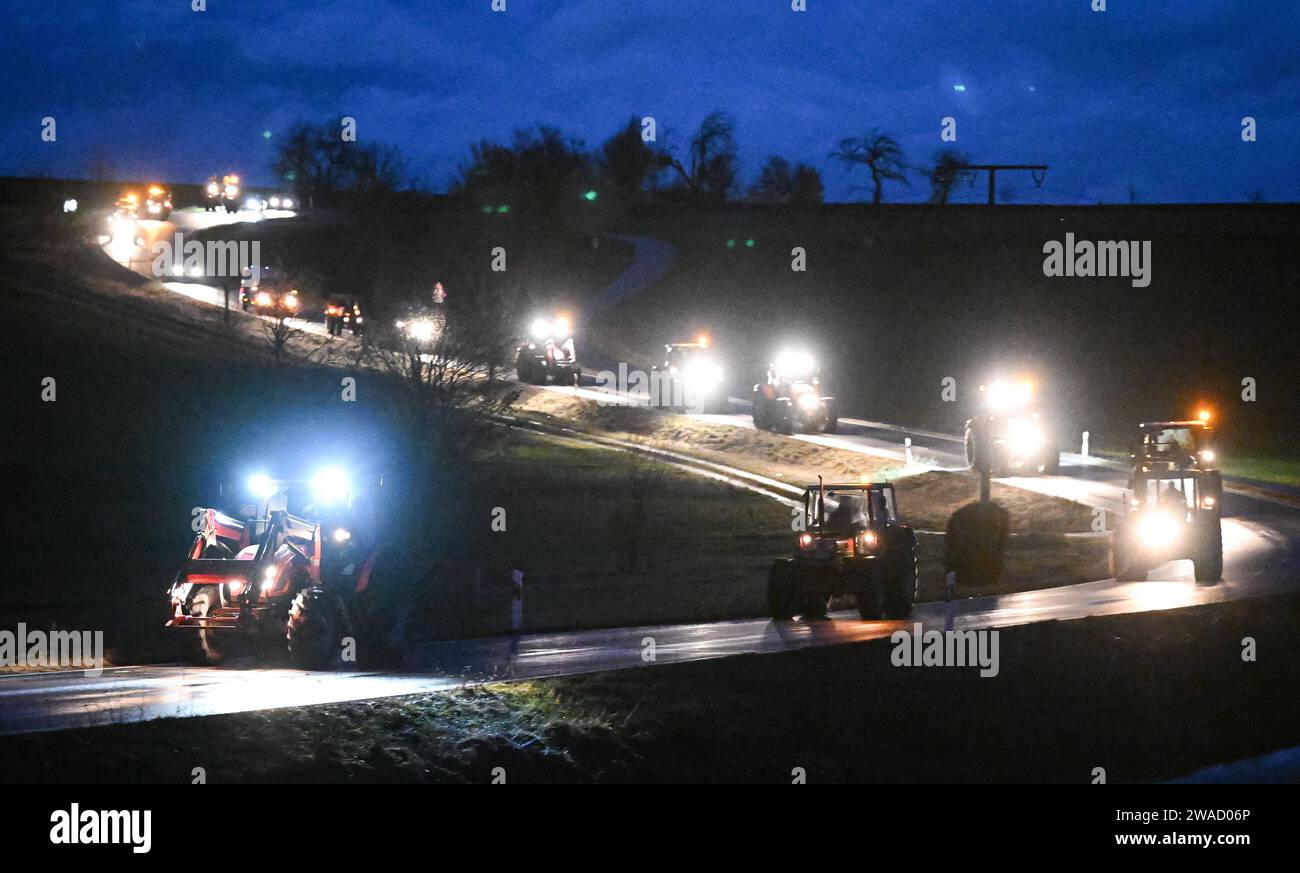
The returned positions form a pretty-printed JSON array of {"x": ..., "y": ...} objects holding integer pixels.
[{"x": 1144, "y": 100}]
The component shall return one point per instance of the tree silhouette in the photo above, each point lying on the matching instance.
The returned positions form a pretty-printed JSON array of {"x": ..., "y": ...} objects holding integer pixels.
[{"x": 880, "y": 153}]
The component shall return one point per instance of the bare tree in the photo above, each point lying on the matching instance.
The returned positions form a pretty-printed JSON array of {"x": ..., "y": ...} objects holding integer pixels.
[
  {"x": 944, "y": 174},
  {"x": 711, "y": 171},
  {"x": 879, "y": 153}
]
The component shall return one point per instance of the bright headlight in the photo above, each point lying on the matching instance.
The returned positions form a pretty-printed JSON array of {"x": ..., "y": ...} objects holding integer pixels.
[
  {"x": 792, "y": 363},
  {"x": 1158, "y": 529},
  {"x": 262, "y": 298},
  {"x": 1023, "y": 435},
  {"x": 275, "y": 202},
  {"x": 342, "y": 535},
  {"x": 213, "y": 189},
  {"x": 287, "y": 203},
  {"x": 262, "y": 485},
  {"x": 809, "y": 401},
  {"x": 540, "y": 329},
  {"x": 331, "y": 485},
  {"x": 421, "y": 329},
  {"x": 561, "y": 327}
]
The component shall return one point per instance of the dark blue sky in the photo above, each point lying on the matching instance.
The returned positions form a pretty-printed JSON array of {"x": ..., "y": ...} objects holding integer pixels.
[{"x": 1149, "y": 94}]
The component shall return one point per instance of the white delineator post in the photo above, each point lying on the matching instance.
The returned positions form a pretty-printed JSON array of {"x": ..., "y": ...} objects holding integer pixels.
[
  {"x": 517, "y": 600},
  {"x": 1084, "y": 448},
  {"x": 907, "y": 450}
]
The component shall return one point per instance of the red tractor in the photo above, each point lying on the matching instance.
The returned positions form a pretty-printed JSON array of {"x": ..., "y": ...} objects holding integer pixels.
[
  {"x": 291, "y": 581},
  {"x": 852, "y": 543}
]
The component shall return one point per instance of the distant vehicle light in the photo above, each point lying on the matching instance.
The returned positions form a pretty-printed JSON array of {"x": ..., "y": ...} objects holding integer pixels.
[
  {"x": 178, "y": 270},
  {"x": 421, "y": 329},
  {"x": 196, "y": 272},
  {"x": 291, "y": 301},
  {"x": 1207, "y": 455},
  {"x": 274, "y": 202},
  {"x": 263, "y": 298},
  {"x": 1203, "y": 415},
  {"x": 213, "y": 188},
  {"x": 287, "y": 203},
  {"x": 69, "y": 205},
  {"x": 805, "y": 540},
  {"x": 252, "y": 204},
  {"x": 342, "y": 535}
]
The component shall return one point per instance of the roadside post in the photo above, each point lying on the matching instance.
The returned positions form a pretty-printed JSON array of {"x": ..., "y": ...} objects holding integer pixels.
[
  {"x": 1084, "y": 449},
  {"x": 516, "y": 600}
]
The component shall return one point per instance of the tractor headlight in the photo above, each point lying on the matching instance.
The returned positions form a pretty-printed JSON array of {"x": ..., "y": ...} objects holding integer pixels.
[
  {"x": 1023, "y": 436},
  {"x": 262, "y": 485},
  {"x": 794, "y": 364},
  {"x": 291, "y": 301},
  {"x": 868, "y": 540},
  {"x": 263, "y": 298},
  {"x": 1158, "y": 529},
  {"x": 540, "y": 329},
  {"x": 213, "y": 189},
  {"x": 331, "y": 485},
  {"x": 286, "y": 203},
  {"x": 809, "y": 401},
  {"x": 275, "y": 202},
  {"x": 1207, "y": 455},
  {"x": 341, "y": 535},
  {"x": 421, "y": 329}
]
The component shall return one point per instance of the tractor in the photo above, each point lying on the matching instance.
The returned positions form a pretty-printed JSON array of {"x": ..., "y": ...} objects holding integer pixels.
[
  {"x": 692, "y": 378},
  {"x": 267, "y": 291},
  {"x": 222, "y": 193},
  {"x": 852, "y": 543},
  {"x": 288, "y": 573},
  {"x": 156, "y": 203},
  {"x": 343, "y": 313},
  {"x": 791, "y": 399},
  {"x": 1008, "y": 436},
  {"x": 1172, "y": 513},
  {"x": 548, "y": 354}
]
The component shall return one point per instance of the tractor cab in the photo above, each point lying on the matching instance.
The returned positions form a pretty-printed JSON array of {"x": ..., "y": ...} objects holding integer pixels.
[
  {"x": 1175, "y": 445},
  {"x": 1171, "y": 513}
]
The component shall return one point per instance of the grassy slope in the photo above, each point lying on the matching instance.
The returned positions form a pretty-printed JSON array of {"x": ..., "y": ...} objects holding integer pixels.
[{"x": 1144, "y": 696}]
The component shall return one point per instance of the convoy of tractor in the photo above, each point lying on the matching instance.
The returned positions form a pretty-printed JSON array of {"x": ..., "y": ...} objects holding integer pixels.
[{"x": 286, "y": 570}]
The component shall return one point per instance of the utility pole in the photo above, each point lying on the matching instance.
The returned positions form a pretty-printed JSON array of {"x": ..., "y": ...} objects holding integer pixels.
[{"x": 1039, "y": 171}]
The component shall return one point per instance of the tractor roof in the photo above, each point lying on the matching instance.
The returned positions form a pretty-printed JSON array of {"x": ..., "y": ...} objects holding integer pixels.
[
  {"x": 1201, "y": 424},
  {"x": 850, "y": 486}
]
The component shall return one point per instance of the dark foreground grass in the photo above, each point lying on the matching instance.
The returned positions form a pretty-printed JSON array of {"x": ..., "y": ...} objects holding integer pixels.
[{"x": 1146, "y": 696}]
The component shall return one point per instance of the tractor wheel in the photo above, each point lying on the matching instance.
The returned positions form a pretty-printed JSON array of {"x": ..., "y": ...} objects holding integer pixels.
[
  {"x": 781, "y": 590},
  {"x": 812, "y": 605},
  {"x": 758, "y": 410},
  {"x": 312, "y": 632},
  {"x": 784, "y": 419},
  {"x": 832, "y": 419},
  {"x": 1127, "y": 566},
  {"x": 871, "y": 599},
  {"x": 1208, "y": 565},
  {"x": 901, "y": 589},
  {"x": 211, "y": 649}
]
